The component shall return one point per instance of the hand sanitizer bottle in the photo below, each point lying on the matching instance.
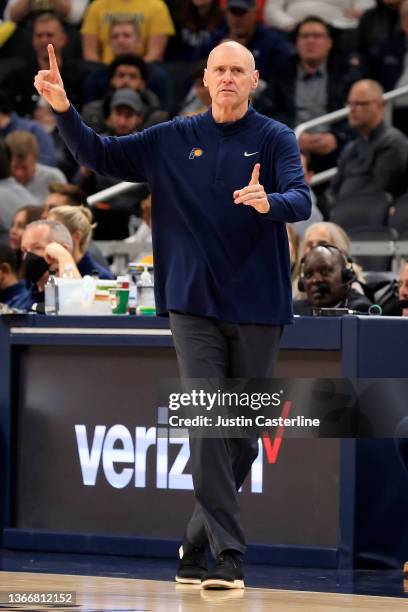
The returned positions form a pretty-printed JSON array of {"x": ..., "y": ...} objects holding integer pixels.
[{"x": 145, "y": 294}]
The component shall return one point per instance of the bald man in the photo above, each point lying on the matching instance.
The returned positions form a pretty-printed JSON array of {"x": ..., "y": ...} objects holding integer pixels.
[
  {"x": 378, "y": 158},
  {"x": 223, "y": 185}
]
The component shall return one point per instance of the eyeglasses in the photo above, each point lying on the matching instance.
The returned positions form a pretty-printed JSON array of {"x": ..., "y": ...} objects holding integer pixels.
[
  {"x": 317, "y": 35},
  {"x": 360, "y": 103}
]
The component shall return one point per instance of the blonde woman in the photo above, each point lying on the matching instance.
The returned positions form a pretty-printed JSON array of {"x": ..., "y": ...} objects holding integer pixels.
[
  {"x": 78, "y": 221},
  {"x": 324, "y": 232}
]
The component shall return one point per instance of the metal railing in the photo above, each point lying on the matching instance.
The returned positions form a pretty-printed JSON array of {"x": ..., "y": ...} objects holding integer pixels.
[
  {"x": 122, "y": 252},
  {"x": 334, "y": 117},
  {"x": 110, "y": 192}
]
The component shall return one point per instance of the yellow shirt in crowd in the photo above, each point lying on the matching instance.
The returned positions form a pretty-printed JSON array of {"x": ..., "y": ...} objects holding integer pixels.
[{"x": 152, "y": 16}]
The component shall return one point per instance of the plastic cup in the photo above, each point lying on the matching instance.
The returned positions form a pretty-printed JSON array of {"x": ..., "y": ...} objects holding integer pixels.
[{"x": 119, "y": 298}]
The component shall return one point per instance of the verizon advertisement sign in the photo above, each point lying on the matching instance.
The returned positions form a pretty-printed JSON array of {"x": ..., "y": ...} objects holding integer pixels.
[
  {"x": 93, "y": 455},
  {"x": 121, "y": 456}
]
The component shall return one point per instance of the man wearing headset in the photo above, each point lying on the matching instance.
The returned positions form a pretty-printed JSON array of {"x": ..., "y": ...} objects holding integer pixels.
[{"x": 326, "y": 276}]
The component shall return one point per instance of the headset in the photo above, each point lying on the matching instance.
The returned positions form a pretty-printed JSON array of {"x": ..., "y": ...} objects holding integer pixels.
[{"x": 348, "y": 273}]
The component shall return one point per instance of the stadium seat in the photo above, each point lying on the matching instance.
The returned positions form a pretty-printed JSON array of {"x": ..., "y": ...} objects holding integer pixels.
[
  {"x": 362, "y": 209},
  {"x": 366, "y": 234},
  {"x": 399, "y": 219}
]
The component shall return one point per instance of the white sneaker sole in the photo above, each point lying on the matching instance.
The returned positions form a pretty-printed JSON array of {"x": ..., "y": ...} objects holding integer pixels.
[
  {"x": 218, "y": 583},
  {"x": 182, "y": 580}
]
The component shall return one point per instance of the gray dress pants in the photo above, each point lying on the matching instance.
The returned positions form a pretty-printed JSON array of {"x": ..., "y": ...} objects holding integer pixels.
[{"x": 208, "y": 348}]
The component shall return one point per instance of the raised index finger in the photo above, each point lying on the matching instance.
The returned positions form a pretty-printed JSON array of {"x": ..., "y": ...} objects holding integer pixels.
[
  {"x": 255, "y": 175},
  {"x": 53, "y": 59}
]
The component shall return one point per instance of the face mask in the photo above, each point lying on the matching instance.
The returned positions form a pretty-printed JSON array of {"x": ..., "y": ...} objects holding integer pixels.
[{"x": 34, "y": 267}]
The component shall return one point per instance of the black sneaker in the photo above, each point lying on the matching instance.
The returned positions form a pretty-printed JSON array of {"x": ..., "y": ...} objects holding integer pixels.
[
  {"x": 193, "y": 566},
  {"x": 226, "y": 574}
]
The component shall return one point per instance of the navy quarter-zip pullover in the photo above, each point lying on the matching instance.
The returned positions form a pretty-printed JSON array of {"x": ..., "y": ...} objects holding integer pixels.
[{"x": 211, "y": 257}]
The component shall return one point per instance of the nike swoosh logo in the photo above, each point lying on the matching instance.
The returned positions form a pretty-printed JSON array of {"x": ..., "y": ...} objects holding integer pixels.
[{"x": 250, "y": 154}]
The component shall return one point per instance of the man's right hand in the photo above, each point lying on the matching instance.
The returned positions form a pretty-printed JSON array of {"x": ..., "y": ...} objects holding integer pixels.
[
  {"x": 49, "y": 84},
  {"x": 57, "y": 255}
]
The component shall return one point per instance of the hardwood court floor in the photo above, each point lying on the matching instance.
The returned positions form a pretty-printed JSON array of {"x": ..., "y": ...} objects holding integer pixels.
[{"x": 100, "y": 594}]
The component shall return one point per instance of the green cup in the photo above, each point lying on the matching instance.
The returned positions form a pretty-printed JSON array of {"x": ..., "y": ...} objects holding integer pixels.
[{"x": 119, "y": 298}]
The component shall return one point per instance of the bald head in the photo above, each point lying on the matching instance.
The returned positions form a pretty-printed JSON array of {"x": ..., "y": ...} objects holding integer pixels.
[
  {"x": 366, "y": 106},
  {"x": 322, "y": 276},
  {"x": 230, "y": 77},
  {"x": 326, "y": 253},
  {"x": 369, "y": 87},
  {"x": 233, "y": 47}
]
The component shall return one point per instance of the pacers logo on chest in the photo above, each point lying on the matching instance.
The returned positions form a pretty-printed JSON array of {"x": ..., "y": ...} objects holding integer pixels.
[{"x": 195, "y": 152}]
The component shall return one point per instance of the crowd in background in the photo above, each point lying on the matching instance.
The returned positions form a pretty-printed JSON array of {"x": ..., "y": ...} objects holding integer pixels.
[{"x": 130, "y": 64}]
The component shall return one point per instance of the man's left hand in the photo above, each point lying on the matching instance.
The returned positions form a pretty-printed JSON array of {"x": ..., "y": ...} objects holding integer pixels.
[{"x": 254, "y": 194}]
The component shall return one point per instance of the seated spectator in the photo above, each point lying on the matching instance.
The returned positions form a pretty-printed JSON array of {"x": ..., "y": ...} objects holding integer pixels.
[
  {"x": 403, "y": 288},
  {"x": 69, "y": 11},
  {"x": 125, "y": 40},
  {"x": 306, "y": 86},
  {"x": 47, "y": 28},
  {"x": 153, "y": 18},
  {"x": 326, "y": 276},
  {"x": 269, "y": 47},
  {"x": 46, "y": 245},
  {"x": 195, "y": 21},
  {"x": 63, "y": 194},
  {"x": 377, "y": 26},
  {"x": 260, "y": 6},
  {"x": 341, "y": 14},
  {"x": 12, "y": 194},
  {"x": 112, "y": 216},
  {"x": 26, "y": 169},
  {"x": 198, "y": 99},
  {"x": 123, "y": 113},
  {"x": 126, "y": 114},
  {"x": 13, "y": 291},
  {"x": 389, "y": 66},
  {"x": 126, "y": 72},
  {"x": 11, "y": 122},
  {"x": 78, "y": 221},
  {"x": 125, "y": 36},
  {"x": 377, "y": 160},
  {"x": 322, "y": 233},
  {"x": 23, "y": 216}
]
